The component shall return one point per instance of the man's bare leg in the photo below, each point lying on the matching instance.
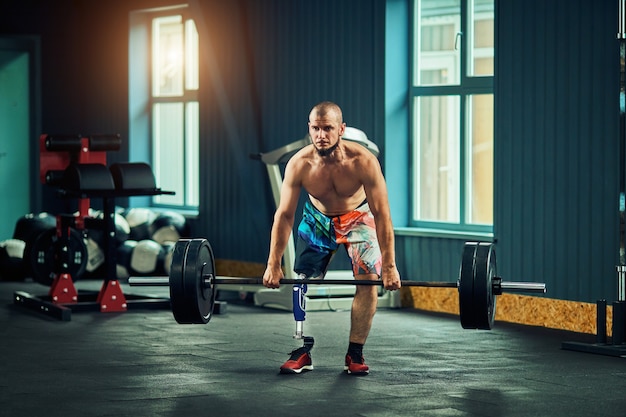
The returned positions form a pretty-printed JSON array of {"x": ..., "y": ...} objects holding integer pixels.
[{"x": 363, "y": 309}]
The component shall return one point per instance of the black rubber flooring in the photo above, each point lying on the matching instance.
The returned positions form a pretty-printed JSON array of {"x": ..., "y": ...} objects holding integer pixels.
[{"x": 142, "y": 363}]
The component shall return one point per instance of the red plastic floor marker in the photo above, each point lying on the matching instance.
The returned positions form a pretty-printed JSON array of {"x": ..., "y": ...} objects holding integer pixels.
[
  {"x": 111, "y": 298},
  {"x": 62, "y": 290}
]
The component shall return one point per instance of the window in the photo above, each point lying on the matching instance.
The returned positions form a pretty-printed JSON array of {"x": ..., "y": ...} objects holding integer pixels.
[
  {"x": 164, "y": 84},
  {"x": 452, "y": 114}
]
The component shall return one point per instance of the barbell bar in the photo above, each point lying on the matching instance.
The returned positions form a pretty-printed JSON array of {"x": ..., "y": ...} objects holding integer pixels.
[
  {"x": 192, "y": 282},
  {"x": 504, "y": 286}
]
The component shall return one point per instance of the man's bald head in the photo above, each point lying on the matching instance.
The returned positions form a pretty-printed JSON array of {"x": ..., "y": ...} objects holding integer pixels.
[{"x": 326, "y": 109}]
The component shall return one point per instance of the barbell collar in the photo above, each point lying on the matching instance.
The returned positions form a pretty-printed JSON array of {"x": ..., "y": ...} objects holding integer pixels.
[{"x": 533, "y": 287}]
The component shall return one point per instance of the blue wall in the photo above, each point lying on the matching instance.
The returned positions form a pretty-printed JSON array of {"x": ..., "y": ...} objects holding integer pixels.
[
  {"x": 266, "y": 62},
  {"x": 556, "y": 152},
  {"x": 556, "y": 203}
]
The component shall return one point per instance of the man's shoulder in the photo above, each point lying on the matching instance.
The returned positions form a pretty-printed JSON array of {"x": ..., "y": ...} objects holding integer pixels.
[
  {"x": 359, "y": 152},
  {"x": 303, "y": 154},
  {"x": 300, "y": 160}
]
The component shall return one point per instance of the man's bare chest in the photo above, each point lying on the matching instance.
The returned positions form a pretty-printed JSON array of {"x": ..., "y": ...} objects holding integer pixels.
[{"x": 332, "y": 183}]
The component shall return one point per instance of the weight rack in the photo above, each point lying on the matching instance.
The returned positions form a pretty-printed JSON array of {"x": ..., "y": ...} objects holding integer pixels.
[{"x": 76, "y": 165}]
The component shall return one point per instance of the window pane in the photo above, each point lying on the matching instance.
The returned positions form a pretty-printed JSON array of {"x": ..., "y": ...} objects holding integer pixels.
[
  {"x": 168, "y": 152},
  {"x": 436, "y": 181},
  {"x": 481, "y": 38},
  {"x": 167, "y": 59},
  {"x": 480, "y": 160},
  {"x": 192, "y": 151},
  {"x": 191, "y": 56},
  {"x": 436, "y": 58}
]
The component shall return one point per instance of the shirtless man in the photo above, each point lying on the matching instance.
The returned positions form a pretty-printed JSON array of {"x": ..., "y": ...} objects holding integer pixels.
[{"x": 347, "y": 205}]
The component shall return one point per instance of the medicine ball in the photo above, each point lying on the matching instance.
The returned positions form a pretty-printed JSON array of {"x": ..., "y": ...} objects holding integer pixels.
[
  {"x": 31, "y": 225},
  {"x": 168, "y": 247},
  {"x": 122, "y": 229},
  {"x": 12, "y": 260},
  {"x": 139, "y": 221},
  {"x": 91, "y": 212},
  {"x": 124, "y": 254},
  {"x": 95, "y": 254},
  {"x": 146, "y": 257},
  {"x": 168, "y": 226}
]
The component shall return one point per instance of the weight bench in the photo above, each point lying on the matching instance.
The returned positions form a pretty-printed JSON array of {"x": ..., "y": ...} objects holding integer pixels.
[{"x": 76, "y": 166}]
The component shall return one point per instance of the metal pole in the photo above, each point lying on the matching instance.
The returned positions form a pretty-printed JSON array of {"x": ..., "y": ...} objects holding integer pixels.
[
  {"x": 621, "y": 283},
  {"x": 259, "y": 281},
  {"x": 538, "y": 287},
  {"x": 533, "y": 287},
  {"x": 618, "y": 307},
  {"x": 621, "y": 23},
  {"x": 621, "y": 36}
]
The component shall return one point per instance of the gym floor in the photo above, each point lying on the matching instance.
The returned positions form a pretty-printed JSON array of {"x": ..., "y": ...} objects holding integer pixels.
[{"x": 142, "y": 363}]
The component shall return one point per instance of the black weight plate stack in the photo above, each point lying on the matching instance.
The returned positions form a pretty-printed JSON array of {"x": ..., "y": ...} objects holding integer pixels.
[
  {"x": 466, "y": 287},
  {"x": 484, "y": 299},
  {"x": 192, "y": 300},
  {"x": 181, "y": 306},
  {"x": 47, "y": 254}
]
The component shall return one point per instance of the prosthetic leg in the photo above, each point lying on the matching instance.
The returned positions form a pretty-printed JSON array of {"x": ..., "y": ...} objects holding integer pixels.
[
  {"x": 300, "y": 358},
  {"x": 299, "y": 313}
]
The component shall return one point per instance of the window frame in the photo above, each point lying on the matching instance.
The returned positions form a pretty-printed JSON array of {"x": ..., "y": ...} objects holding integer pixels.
[
  {"x": 467, "y": 87},
  {"x": 142, "y": 106}
]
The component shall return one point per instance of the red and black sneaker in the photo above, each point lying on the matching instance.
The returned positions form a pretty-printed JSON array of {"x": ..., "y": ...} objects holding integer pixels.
[
  {"x": 300, "y": 360},
  {"x": 355, "y": 365}
]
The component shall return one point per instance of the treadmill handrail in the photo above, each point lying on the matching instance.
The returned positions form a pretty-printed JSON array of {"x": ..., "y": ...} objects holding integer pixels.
[{"x": 284, "y": 153}]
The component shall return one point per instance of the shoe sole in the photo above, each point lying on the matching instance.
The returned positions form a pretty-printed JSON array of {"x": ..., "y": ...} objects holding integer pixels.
[
  {"x": 358, "y": 373},
  {"x": 296, "y": 371}
]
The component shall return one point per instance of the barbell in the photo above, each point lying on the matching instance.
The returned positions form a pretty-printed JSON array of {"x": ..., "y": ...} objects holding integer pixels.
[{"x": 192, "y": 282}]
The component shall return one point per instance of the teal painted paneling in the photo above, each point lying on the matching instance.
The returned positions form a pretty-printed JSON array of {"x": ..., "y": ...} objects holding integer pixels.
[
  {"x": 556, "y": 124},
  {"x": 267, "y": 63},
  {"x": 15, "y": 172},
  {"x": 396, "y": 109},
  {"x": 556, "y": 144},
  {"x": 428, "y": 258}
]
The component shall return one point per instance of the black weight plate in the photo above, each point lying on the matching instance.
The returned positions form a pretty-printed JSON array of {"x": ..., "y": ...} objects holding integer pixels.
[
  {"x": 194, "y": 273},
  {"x": 466, "y": 286},
  {"x": 192, "y": 300},
  {"x": 180, "y": 305},
  {"x": 484, "y": 299},
  {"x": 46, "y": 256}
]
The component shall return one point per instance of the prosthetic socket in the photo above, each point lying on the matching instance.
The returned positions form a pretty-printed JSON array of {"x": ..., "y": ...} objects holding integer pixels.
[{"x": 299, "y": 311}]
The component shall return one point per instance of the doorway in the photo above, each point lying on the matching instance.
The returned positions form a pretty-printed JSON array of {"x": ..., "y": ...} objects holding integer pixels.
[{"x": 19, "y": 124}]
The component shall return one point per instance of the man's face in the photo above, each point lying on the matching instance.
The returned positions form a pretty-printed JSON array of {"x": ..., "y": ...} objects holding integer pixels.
[{"x": 325, "y": 131}]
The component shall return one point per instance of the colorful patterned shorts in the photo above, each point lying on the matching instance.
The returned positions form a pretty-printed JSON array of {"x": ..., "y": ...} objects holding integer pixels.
[{"x": 319, "y": 237}]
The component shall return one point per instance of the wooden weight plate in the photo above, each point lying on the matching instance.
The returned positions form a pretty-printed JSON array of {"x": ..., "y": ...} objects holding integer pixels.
[
  {"x": 484, "y": 298},
  {"x": 191, "y": 298},
  {"x": 466, "y": 286}
]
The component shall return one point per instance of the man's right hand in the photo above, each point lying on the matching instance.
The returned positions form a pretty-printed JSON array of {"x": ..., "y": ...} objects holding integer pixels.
[{"x": 272, "y": 277}]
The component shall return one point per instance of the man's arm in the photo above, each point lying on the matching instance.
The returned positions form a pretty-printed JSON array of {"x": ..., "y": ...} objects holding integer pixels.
[
  {"x": 283, "y": 224},
  {"x": 378, "y": 200}
]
